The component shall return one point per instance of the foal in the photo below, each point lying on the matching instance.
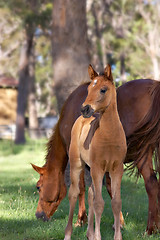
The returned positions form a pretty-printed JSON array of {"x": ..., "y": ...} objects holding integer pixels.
[{"x": 98, "y": 140}]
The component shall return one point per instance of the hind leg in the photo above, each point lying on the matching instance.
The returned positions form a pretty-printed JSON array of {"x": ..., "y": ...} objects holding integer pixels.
[
  {"x": 116, "y": 178},
  {"x": 108, "y": 186},
  {"x": 82, "y": 215},
  {"x": 151, "y": 185},
  {"x": 75, "y": 170}
]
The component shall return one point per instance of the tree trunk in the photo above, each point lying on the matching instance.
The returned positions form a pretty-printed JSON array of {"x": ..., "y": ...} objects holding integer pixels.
[
  {"x": 22, "y": 90},
  {"x": 123, "y": 77},
  {"x": 32, "y": 109},
  {"x": 24, "y": 84},
  {"x": 155, "y": 68},
  {"x": 69, "y": 44}
]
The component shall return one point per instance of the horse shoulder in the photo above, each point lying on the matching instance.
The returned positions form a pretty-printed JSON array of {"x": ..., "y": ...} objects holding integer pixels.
[{"x": 75, "y": 136}]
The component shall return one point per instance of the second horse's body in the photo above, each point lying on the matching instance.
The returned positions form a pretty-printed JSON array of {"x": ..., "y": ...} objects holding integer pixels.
[{"x": 139, "y": 111}]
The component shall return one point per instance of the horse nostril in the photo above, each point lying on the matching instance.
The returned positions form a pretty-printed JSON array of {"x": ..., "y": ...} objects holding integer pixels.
[{"x": 87, "y": 111}]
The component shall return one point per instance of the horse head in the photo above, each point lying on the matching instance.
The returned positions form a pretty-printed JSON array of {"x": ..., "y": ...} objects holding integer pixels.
[
  {"x": 51, "y": 189},
  {"x": 99, "y": 92}
]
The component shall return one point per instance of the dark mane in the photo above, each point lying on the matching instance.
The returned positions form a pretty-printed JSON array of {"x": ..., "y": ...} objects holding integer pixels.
[{"x": 55, "y": 143}]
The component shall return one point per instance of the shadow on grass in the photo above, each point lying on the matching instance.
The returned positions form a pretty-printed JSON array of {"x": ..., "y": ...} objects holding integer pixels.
[
  {"x": 134, "y": 205},
  {"x": 26, "y": 230}
]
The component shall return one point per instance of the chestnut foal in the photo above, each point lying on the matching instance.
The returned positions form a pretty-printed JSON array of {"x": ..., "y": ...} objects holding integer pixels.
[{"x": 98, "y": 140}]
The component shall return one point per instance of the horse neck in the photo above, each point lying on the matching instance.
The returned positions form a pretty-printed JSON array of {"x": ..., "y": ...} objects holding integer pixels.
[{"x": 110, "y": 117}]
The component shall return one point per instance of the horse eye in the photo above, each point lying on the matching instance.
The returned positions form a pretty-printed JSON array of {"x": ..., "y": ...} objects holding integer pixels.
[
  {"x": 38, "y": 188},
  {"x": 103, "y": 90}
]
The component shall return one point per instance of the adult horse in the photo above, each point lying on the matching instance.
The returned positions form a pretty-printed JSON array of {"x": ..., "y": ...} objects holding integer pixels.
[{"x": 139, "y": 111}]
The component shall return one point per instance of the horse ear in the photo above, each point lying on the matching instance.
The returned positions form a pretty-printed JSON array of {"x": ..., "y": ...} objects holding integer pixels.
[
  {"x": 40, "y": 170},
  {"x": 108, "y": 72},
  {"x": 92, "y": 72}
]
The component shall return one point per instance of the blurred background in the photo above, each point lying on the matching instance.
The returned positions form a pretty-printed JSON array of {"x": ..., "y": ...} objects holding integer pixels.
[{"x": 46, "y": 47}]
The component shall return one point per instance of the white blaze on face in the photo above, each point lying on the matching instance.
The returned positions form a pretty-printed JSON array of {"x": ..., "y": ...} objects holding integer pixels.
[{"x": 95, "y": 82}]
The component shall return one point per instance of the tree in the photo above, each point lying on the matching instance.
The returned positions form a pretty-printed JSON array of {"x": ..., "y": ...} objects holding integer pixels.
[
  {"x": 69, "y": 47},
  {"x": 32, "y": 109},
  {"x": 27, "y": 74},
  {"x": 148, "y": 33},
  {"x": 109, "y": 24},
  {"x": 10, "y": 39}
]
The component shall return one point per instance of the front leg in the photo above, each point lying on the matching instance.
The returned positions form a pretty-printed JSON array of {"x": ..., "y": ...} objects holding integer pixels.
[
  {"x": 75, "y": 171},
  {"x": 108, "y": 186},
  {"x": 116, "y": 178},
  {"x": 98, "y": 202},
  {"x": 90, "y": 229}
]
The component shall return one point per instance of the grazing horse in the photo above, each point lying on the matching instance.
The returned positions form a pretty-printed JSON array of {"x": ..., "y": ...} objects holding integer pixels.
[
  {"x": 99, "y": 141},
  {"x": 139, "y": 110}
]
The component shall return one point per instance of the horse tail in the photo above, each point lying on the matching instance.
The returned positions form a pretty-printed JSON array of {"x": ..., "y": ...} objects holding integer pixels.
[{"x": 147, "y": 134}]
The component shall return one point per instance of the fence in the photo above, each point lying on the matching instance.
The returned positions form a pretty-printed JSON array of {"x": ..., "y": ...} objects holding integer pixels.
[{"x": 45, "y": 129}]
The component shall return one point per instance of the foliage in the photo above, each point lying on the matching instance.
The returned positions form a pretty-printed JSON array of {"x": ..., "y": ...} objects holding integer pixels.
[
  {"x": 19, "y": 198},
  {"x": 44, "y": 76},
  {"x": 21, "y": 15},
  {"x": 124, "y": 33},
  {"x": 10, "y": 39},
  {"x": 129, "y": 31}
]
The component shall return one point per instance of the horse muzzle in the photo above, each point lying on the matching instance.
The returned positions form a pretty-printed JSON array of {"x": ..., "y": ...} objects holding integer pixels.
[
  {"x": 42, "y": 215},
  {"x": 87, "y": 111}
]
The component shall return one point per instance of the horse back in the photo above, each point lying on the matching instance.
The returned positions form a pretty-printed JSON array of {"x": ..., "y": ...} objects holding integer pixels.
[{"x": 133, "y": 102}]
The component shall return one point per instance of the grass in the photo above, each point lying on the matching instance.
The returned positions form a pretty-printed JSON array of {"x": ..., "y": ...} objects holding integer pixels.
[{"x": 19, "y": 198}]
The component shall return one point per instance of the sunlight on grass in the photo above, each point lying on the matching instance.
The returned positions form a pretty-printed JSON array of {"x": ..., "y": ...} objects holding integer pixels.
[{"x": 19, "y": 198}]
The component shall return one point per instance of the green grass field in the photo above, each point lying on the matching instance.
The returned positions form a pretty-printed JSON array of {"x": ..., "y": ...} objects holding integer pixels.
[{"x": 19, "y": 198}]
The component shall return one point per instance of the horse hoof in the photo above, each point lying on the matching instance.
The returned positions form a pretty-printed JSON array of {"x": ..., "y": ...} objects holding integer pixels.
[
  {"x": 152, "y": 229},
  {"x": 78, "y": 223},
  {"x": 121, "y": 226},
  {"x": 81, "y": 221},
  {"x": 90, "y": 236}
]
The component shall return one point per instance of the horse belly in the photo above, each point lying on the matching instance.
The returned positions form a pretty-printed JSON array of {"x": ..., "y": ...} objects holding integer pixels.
[{"x": 107, "y": 155}]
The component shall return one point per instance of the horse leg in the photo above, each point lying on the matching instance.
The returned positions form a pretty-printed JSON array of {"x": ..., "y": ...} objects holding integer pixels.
[
  {"x": 90, "y": 229},
  {"x": 151, "y": 186},
  {"x": 75, "y": 170},
  {"x": 158, "y": 153},
  {"x": 98, "y": 202},
  {"x": 116, "y": 178},
  {"x": 108, "y": 186},
  {"x": 82, "y": 215}
]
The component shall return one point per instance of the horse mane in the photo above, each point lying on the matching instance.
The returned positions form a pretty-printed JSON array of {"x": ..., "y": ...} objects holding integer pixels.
[
  {"x": 55, "y": 143},
  {"x": 147, "y": 134},
  {"x": 50, "y": 146}
]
